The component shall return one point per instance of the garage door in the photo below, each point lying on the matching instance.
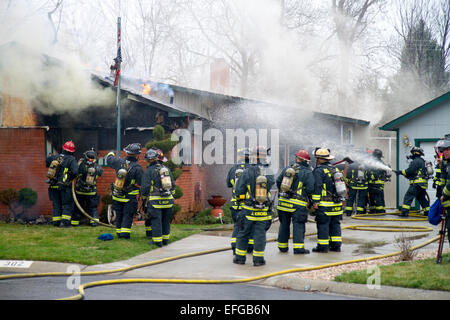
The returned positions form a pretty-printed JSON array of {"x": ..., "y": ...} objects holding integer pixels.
[{"x": 428, "y": 149}]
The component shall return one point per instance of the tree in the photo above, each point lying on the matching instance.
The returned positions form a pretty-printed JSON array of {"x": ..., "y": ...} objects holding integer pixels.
[
  {"x": 421, "y": 55},
  {"x": 351, "y": 19},
  {"x": 225, "y": 27},
  {"x": 422, "y": 75}
]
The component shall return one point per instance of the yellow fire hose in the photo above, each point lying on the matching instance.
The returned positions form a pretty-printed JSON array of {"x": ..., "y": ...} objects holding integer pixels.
[
  {"x": 83, "y": 211},
  {"x": 82, "y": 288}
]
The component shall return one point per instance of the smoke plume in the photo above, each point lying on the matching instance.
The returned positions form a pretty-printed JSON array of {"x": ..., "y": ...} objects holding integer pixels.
[{"x": 34, "y": 69}]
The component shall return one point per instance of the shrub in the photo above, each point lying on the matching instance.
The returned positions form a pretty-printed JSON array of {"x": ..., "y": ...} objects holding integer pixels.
[
  {"x": 205, "y": 217},
  {"x": 27, "y": 197},
  {"x": 18, "y": 202}
]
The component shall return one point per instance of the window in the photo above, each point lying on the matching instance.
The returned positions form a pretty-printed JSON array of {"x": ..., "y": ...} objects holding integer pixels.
[{"x": 346, "y": 134}]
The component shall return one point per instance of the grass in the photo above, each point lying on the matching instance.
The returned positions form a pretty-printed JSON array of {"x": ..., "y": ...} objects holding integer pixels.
[
  {"x": 420, "y": 274},
  {"x": 78, "y": 244}
]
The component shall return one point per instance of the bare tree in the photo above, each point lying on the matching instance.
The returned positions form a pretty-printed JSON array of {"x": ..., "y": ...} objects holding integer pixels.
[
  {"x": 441, "y": 21},
  {"x": 55, "y": 27},
  {"x": 224, "y": 28},
  {"x": 153, "y": 24},
  {"x": 351, "y": 19}
]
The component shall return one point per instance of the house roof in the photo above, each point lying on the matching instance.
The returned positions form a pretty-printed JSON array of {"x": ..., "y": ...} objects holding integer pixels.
[
  {"x": 394, "y": 124},
  {"x": 132, "y": 94},
  {"x": 177, "y": 110}
]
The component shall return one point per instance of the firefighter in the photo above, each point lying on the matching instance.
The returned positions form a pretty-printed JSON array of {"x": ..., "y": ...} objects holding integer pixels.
[
  {"x": 357, "y": 182},
  {"x": 295, "y": 186},
  {"x": 418, "y": 183},
  {"x": 62, "y": 170},
  {"x": 86, "y": 187},
  {"x": 126, "y": 187},
  {"x": 439, "y": 180},
  {"x": 327, "y": 201},
  {"x": 444, "y": 149},
  {"x": 253, "y": 193},
  {"x": 377, "y": 178},
  {"x": 158, "y": 187},
  {"x": 233, "y": 175}
]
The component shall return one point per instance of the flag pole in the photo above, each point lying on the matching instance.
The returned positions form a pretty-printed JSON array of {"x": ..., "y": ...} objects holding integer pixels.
[{"x": 117, "y": 82}]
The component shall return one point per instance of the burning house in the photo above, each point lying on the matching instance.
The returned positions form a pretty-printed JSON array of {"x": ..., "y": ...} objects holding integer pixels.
[{"x": 34, "y": 125}]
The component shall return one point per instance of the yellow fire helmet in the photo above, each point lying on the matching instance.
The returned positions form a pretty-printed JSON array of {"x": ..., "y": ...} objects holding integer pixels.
[{"x": 323, "y": 153}]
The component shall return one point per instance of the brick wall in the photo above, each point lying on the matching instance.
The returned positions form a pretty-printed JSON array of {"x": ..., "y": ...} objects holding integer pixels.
[
  {"x": 191, "y": 176},
  {"x": 22, "y": 164}
]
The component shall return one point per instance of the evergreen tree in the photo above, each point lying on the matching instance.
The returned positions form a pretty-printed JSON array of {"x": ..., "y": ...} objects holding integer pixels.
[{"x": 422, "y": 74}]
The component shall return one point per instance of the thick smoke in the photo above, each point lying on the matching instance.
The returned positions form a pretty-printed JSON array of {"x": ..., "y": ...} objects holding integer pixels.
[{"x": 33, "y": 68}]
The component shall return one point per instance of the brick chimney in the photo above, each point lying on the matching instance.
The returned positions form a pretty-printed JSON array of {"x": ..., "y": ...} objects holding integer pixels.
[{"x": 220, "y": 76}]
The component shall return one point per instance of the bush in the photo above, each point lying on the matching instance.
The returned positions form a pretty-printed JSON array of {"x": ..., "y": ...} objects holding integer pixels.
[
  {"x": 27, "y": 197},
  {"x": 161, "y": 140},
  {"x": 205, "y": 217},
  {"x": 20, "y": 200},
  {"x": 178, "y": 192}
]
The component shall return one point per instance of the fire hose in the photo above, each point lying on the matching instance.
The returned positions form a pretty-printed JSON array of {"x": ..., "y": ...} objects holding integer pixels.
[
  {"x": 83, "y": 211},
  {"x": 82, "y": 288}
]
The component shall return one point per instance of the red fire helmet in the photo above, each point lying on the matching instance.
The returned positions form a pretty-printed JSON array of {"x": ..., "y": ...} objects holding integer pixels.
[
  {"x": 302, "y": 154},
  {"x": 69, "y": 146}
]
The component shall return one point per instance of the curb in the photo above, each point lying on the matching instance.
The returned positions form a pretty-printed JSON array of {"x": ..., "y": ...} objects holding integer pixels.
[{"x": 294, "y": 282}]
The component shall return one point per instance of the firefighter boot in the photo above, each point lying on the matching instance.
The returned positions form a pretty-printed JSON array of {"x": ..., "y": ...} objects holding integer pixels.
[
  {"x": 320, "y": 249},
  {"x": 65, "y": 224},
  {"x": 259, "y": 262},
  {"x": 301, "y": 251},
  {"x": 237, "y": 260}
]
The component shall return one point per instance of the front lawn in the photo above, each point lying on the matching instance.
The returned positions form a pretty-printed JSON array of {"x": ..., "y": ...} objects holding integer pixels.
[
  {"x": 77, "y": 244},
  {"x": 420, "y": 274}
]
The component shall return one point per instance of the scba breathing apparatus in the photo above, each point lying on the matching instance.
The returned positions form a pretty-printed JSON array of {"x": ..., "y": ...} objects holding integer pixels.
[
  {"x": 286, "y": 183},
  {"x": 121, "y": 176},
  {"x": 339, "y": 184},
  {"x": 163, "y": 172},
  {"x": 90, "y": 158},
  {"x": 416, "y": 151},
  {"x": 360, "y": 175},
  {"x": 261, "y": 190},
  {"x": 53, "y": 169},
  {"x": 261, "y": 194},
  {"x": 166, "y": 181},
  {"x": 336, "y": 176}
]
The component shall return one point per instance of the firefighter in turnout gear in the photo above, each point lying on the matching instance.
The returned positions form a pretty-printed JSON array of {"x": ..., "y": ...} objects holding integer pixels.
[
  {"x": 357, "y": 182},
  {"x": 418, "y": 183},
  {"x": 125, "y": 188},
  {"x": 233, "y": 175},
  {"x": 63, "y": 168},
  {"x": 158, "y": 187},
  {"x": 440, "y": 178},
  {"x": 253, "y": 193},
  {"x": 327, "y": 200},
  {"x": 444, "y": 149},
  {"x": 295, "y": 186},
  {"x": 377, "y": 178},
  {"x": 86, "y": 187}
]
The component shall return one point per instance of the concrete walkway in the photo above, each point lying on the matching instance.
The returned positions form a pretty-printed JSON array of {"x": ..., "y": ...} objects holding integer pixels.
[{"x": 356, "y": 244}]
